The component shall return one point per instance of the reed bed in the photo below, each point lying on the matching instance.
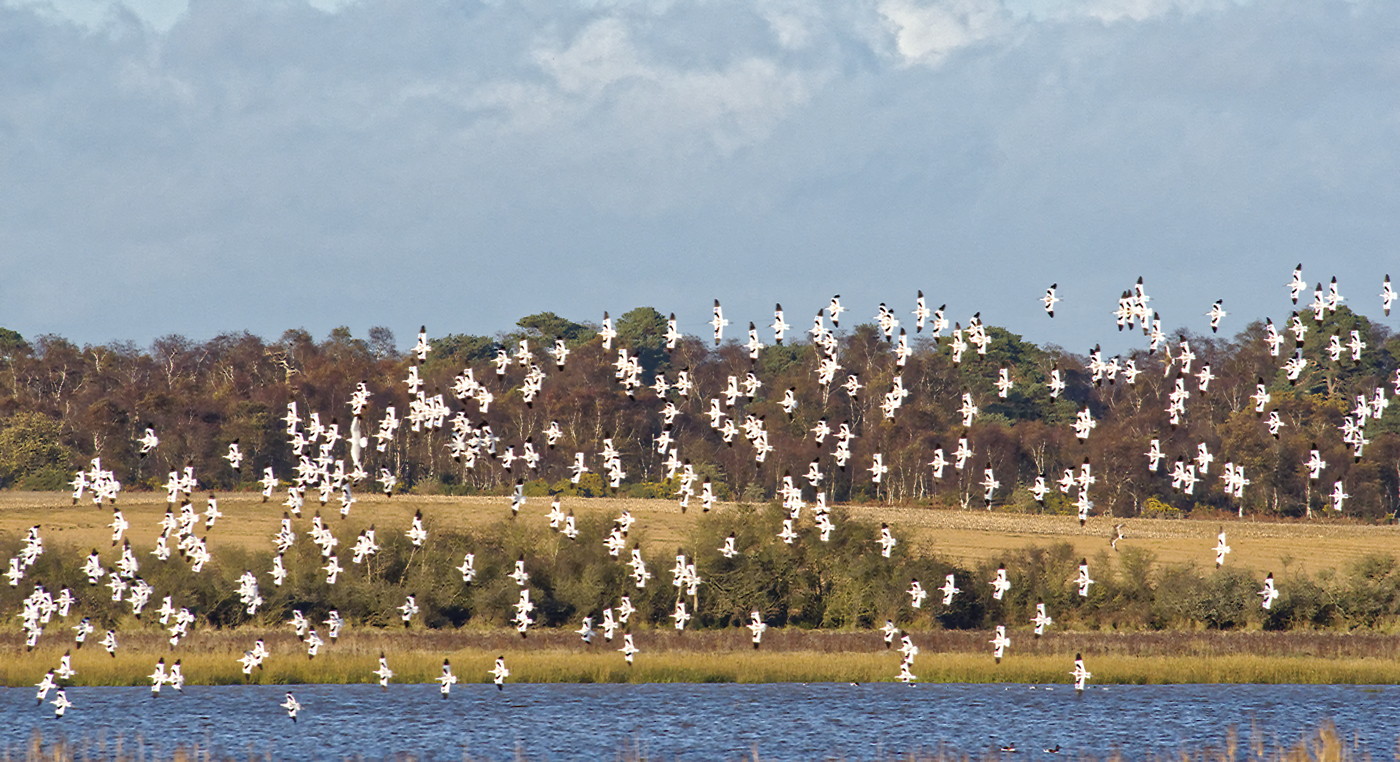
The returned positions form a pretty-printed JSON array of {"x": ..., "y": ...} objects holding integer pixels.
[
  {"x": 210, "y": 658},
  {"x": 1322, "y": 744}
]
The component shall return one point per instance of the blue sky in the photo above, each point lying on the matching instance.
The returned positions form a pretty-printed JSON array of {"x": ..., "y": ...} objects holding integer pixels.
[{"x": 205, "y": 166}]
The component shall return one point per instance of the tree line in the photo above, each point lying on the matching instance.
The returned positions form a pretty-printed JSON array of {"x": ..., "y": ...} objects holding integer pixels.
[{"x": 62, "y": 405}]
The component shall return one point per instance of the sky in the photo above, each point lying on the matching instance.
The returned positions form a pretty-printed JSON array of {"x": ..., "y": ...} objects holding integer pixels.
[{"x": 198, "y": 167}]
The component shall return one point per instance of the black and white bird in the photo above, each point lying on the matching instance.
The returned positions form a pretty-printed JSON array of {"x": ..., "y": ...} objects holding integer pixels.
[
  {"x": 499, "y": 673},
  {"x": 148, "y": 441},
  {"x": 834, "y": 309},
  {"x": 1216, "y": 313},
  {"x": 1080, "y": 674},
  {"x": 1050, "y": 299},
  {"x": 60, "y": 703},
  {"x": 1221, "y": 548},
  {"x": 779, "y": 325},
  {"x": 1041, "y": 620},
  {"x": 292, "y": 706},
  {"x": 1297, "y": 285},
  {"x": 718, "y": 322},
  {"x": 1269, "y": 594},
  {"x": 446, "y": 680},
  {"x": 383, "y": 672},
  {"x": 999, "y": 643}
]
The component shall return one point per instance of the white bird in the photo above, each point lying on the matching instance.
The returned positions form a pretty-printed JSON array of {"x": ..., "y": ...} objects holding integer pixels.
[
  {"x": 673, "y": 334},
  {"x": 1220, "y": 549},
  {"x": 999, "y": 643},
  {"x": 607, "y": 332},
  {"x": 158, "y": 677},
  {"x": 468, "y": 567},
  {"x": 834, "y": 309},
  {"x": 60, "y": 703},
  {"x": 779, "y": 326},
  {"x": 416, "y": 533},
  {"x": 728, "y": 550},
  {"x": 383, "y": 672},
  {"x": 1297, "y": 285},
  {"x": 886, "y": 541},
  {"x": 1084, "y": 581},
  {"x": 1216, "y": 313},
  {"x": 499, "y": 673},
  {"x": 990, "y": 484},
  {"x": 1056, "y": 383},
  {"x": 1269, "y": 594},
  {"x": 65, "y": 662},
  {"x": 718, "y": 322},
  {"x": 1000, "y": 584},
  {"x": 148, "y": 441},
  {"x": 1041, "y": 620},
  {"x": 1039, "y": 489},
  {"x": 1004, "y": 383},
  {"x": 1388, "y": 295},
  {"x": 628, "y": 649},
  {"x": 520, "y": 575},
  {"x": 757, "y": 626},
  {"x": 109, "y": 642},
  {"x": 1080, "y": 674},
  {"x": 890, "y": 631},
  {"x": 1314, "y": 464},
  {"x": 446, "y": 680},
  {"x": 1050, "y": 299},
  {"x": 408, "y": 610},
  {"x": 1154, "y": 455},
  {"x": 234, "y": 456},
  {"x": 921, "y": 313},
  {"x": 292, "y": 706},
  {"x": 877, "y": 470},
  {"x": 917, "y": 594},
  {"x": 1339, "y": 495},
  {"x": 45, "y": 685},
  {"x": 949, "y": 590}
]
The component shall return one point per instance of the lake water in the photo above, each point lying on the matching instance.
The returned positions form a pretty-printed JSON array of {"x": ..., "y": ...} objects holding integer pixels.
[{"x": 703, "y": 722}]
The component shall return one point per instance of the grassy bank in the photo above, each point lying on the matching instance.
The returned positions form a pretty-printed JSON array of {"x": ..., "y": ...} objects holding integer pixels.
[{"x": 209, "y": 658}]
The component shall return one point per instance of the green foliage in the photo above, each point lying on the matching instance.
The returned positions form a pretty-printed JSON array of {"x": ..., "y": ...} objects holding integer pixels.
[
  {"x": 842, "y": 583},
  {"x": 457, "y": 350},
  {"x": 11, "y": 343},
  {"x": 643, "y": 331},
  {"x": 547, "y": 326},
  {"x": 1153, "y": 508},
  {"x": 31, "y": 447}
]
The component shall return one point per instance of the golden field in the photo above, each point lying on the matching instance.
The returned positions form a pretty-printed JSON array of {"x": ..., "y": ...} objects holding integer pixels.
[{"x": 960, "y": 536}]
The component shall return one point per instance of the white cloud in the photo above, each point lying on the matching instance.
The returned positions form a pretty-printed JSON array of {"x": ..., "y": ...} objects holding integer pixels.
[
  {"x": 928, "y": 31},
  {"x": 97, "y": 15},
  {"x": 464, "y": 164}
]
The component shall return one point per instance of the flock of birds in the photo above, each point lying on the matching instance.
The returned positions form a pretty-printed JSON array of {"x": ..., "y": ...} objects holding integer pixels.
[{"x": 332, "y": 463}]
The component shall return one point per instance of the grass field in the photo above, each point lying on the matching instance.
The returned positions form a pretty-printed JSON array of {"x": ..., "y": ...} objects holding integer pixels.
[{"x": 963, "y": 536}]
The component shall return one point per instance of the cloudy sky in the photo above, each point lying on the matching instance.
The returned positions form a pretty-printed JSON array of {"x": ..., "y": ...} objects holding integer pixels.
[{"x": 205, "y": 166}]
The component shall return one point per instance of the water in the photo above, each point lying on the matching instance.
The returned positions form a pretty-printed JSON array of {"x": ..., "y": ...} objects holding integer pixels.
[{"x": 705, "y": 722}]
